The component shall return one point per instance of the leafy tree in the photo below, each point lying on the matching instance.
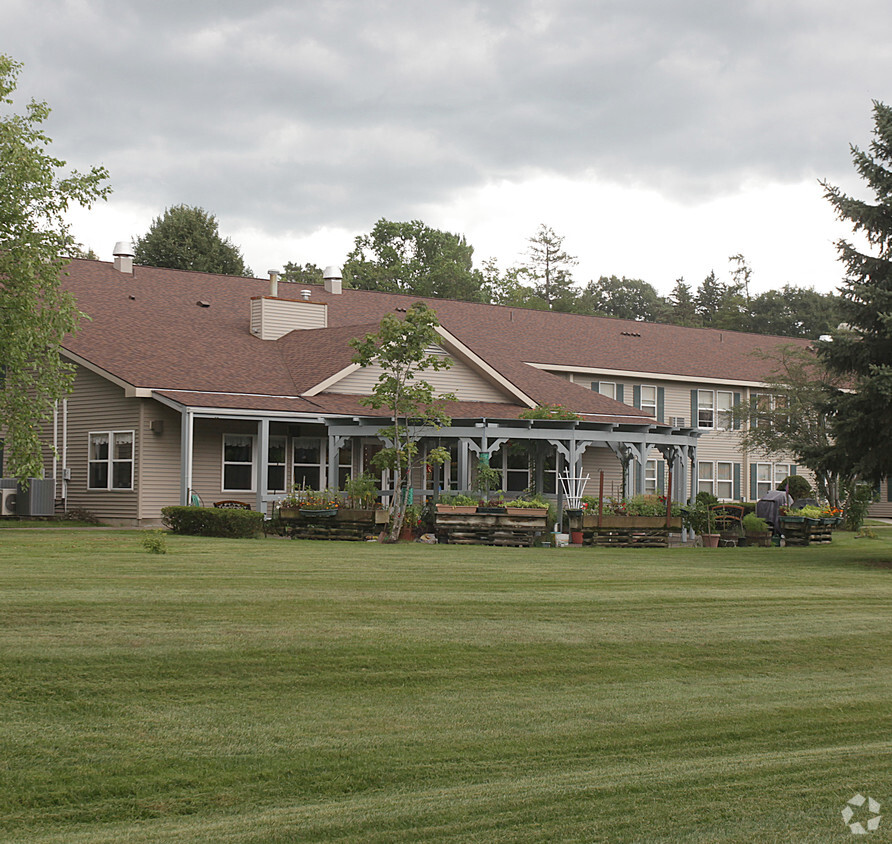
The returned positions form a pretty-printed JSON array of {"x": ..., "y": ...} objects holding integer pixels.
[
  {"x": 790, "y": 415},
  {"x": 35, "y": 313},
  {"x": 627, "y": 298},
  {"x": 862, "y": 351},
  {"x": 188, "y": 238},
  {"x": 414, "y": 258},
  {"x": 513, "y": 288},
  {"x": 302, "y": 274},
  {"x": 549, "y": 266},
  {"x": 400, "y": 348},
  {"x": 794, "y": 312}
]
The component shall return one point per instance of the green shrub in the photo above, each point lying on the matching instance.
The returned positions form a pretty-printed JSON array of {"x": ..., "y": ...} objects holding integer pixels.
[
  {"x": 457, "y": 498},
  {"x": 798, "y": 487},
  {"x": 154, "y": 542},
  {"x": 211, "y": 521},
  {"x": 753, "y": 524},
  {"x": 854, "y": 511}
]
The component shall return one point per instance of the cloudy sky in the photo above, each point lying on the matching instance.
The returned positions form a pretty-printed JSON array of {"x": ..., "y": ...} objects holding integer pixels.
[{"x": 658, "y": 136}]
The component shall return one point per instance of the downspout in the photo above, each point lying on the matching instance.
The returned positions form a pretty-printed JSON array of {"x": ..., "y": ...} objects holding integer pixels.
[
  {"x": 66, "y": 474},
  {"x": 55, "y": 448}
]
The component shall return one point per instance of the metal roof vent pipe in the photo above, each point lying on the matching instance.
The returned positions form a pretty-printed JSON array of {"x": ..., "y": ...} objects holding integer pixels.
[
  {"x": 124, "y": 257},
  {"x": 333, "y": 281},
  {"x": 273, "y": 283},
  {"x": 305, "y": 295}
]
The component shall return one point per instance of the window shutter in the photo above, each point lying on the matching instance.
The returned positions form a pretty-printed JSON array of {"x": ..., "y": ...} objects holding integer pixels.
[
  {"x": 793, "y": 469},
  {"x": 695, "y": 415},
  {"x": 661, "y": 404},
  {"x": 737, "y": 495},
  {"x": 888, "y": 484},
  {"x": 736, "y": 423},
  {"x": 636, "y": 396},
  {"x": 754, "y": 495},
  {"x": 620, "y": 393},
  {"x": 661, "y": 476},
  {"x": 596, "y": 386}
]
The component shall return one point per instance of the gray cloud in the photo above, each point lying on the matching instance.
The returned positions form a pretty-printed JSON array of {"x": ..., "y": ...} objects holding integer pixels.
[{"x": 290, "y": 115}]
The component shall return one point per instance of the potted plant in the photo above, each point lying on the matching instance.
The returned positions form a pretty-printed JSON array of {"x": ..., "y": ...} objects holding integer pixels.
[
  {"x": 457, "y": 504},
  {"x": 533, "y": 506},
  {"x": 305, "y": 503},
  {"x": 698, "y": 518},
  {"x": 486, "y": 479},
  {"x": 757, "y": 530}
]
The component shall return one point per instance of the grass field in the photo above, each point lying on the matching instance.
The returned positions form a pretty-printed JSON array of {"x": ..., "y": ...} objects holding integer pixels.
[{"x": 277, "y": 691}]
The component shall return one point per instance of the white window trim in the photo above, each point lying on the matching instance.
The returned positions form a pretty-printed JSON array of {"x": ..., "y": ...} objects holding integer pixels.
[
  {"x": 715, "y": 480},
  {"x": 110, "y": 461},
  {"x": 711, "y": 408},
  {"x": 656, "y": 401},
  {"x": 224, "y": 463},
  {"x": 604, "y": 384},
  {"x": 717, "y": 413}
]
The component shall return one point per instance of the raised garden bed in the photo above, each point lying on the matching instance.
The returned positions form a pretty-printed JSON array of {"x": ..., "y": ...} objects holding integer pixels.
[
  {"x": 517, "y": 529},
  {"x": 625, "y": 531},
  {"x": 800, "y": 530},
  {"x": 341, "y": 524}
]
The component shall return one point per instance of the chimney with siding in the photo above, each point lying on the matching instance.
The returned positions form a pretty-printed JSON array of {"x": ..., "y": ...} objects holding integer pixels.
[
  {"x": 272, "y": 317},
  {"x": 332, "y": 279}
]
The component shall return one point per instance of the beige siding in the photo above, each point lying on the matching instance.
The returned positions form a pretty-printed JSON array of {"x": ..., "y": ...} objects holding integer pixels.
[
  {"x": 883, "y": 508},
  {"x": 593, "y": 462},
  {"x": 159, "y": 459},
  {"x": 98, "y": 405},
  {"x": 273, "y": 318},
  {"x": 207, "y": 459},
  {"x": 460, "y": 379}
]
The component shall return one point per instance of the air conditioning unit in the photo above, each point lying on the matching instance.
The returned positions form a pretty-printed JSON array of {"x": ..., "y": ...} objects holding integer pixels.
[
  {"x": 677, "y": 421},
  {"x": 7, "y": 502}
]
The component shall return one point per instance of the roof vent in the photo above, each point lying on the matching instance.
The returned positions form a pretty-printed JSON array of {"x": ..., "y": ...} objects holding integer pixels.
[
  {"x": 124, "y": 257},
  {"x": 305, "y": 295},
  {"x": 274, "y": 282},
  {"x": 333, "y": 280},
  {"x": 630, "y": 334}
]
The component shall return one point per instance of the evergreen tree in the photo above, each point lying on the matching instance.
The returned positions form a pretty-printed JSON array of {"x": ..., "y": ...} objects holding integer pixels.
[
  {"x": 862, "y": 348},
  {"x": 549, "y": 265},
  {"x": 187, "y": 238},
  {"x": 682, "y": 305}
]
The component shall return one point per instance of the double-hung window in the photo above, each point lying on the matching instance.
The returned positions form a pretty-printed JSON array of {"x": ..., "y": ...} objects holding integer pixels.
[
  {"x": 705, "y": 409},
  {"x": 715, "y": 409},
  {"x": 110, "y": 460},
  {"x": 238, "y": 463},
  {"x": 308, "y": 462},
  {"x": 649, "y": 399},
  {"x": 717, "y": 478}
]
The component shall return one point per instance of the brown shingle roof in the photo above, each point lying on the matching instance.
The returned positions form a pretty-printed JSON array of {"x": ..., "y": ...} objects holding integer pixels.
[{"x": 149, "y": 330}]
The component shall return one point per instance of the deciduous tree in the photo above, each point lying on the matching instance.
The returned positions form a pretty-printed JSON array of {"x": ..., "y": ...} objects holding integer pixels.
[
  {"x": 400, "y": 349},
  {"x": 416, "y": 259},
  {"x": 35, "y": 312},
  {"x": 188, "y": 238}
]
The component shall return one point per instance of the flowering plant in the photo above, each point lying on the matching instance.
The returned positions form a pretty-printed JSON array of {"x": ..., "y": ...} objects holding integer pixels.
[{"x": 302, "y": 498}]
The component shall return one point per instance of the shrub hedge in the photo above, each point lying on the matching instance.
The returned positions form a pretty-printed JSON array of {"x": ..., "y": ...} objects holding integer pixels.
[{"x": 212, "y": 521}]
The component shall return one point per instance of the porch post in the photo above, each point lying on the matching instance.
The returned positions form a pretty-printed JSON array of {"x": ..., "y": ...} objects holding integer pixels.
[
  {"x": 186, "y": 429},
  {"x": 262, "y": 463}
]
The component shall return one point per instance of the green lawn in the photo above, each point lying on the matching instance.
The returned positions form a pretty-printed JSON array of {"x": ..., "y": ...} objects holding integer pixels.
[{"x": 277, "y": 691}]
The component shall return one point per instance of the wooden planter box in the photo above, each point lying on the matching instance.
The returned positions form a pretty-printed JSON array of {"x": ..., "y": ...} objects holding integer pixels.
[
  {"x": 457, "y": 509},
  {"x": 345, "y": 524},
  {"x": 490, "y": 528},
  {"x": 625, "y": 531},
  {"x": 800, "y": 530}
]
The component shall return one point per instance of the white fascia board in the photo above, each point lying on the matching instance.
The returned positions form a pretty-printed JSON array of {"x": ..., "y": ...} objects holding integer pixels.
[
  {"x": 332, "y": 379},
  {"x": 130, "y": 391},
  {"x": 454, "y": 345},
  {"x": 237, "y": 413},
  {"x": 640, "y": 375}
]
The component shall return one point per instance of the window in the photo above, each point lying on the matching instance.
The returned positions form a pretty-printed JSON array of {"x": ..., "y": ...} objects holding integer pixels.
[
  {"x": 605, "y": 388},
  {"x": 651, "y": 487},
  {"x": 238, "y": 463},
  {"x": 781, "y": 471},
  {"x": 724, "y": 401},
  {"x": 649, "y": 399},
  {"x": 308, "y": 463},
  {"x": 275, "y": 473},
  {"x": 768, "y": 476},
  {"x": 110, "y": 460},
  {"x": 706, "y": 478},
  {"x": 345, "y": 465},
  {"x": 705, "y": 409},
  {"x": 717, "y": 478}
]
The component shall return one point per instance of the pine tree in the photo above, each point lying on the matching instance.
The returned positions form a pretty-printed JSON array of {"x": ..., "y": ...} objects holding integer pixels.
[
  {"x": 861, "y": 348},
  {"x": 550, "y": 266}
]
